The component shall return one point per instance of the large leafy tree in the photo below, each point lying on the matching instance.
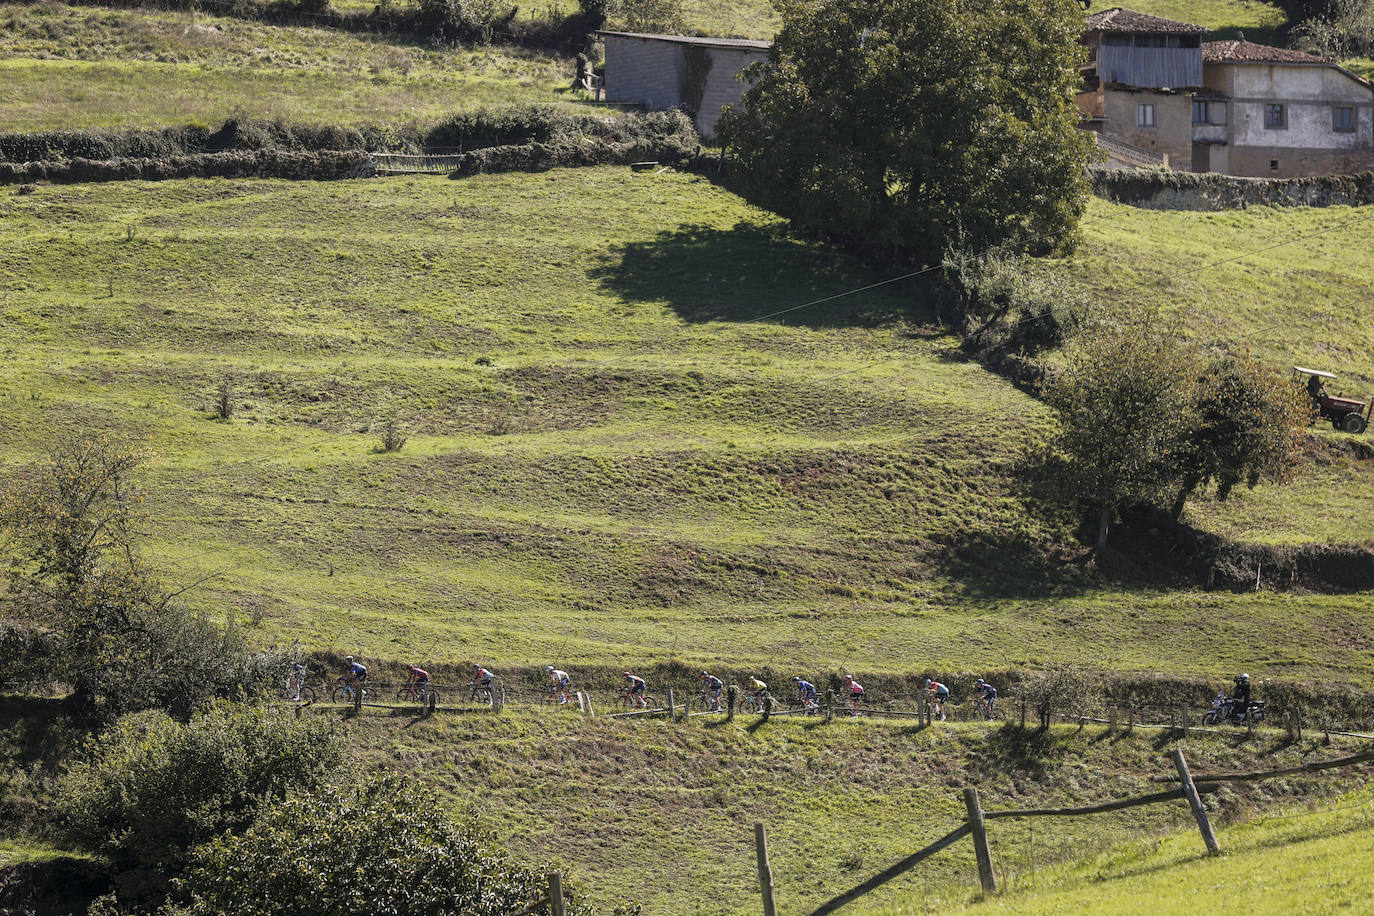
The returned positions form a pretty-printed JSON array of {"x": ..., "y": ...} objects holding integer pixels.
[
  {"x": 123, "y": 640},
  {"x": 1125, "y": 400},
  {"x": 897, "y": 126}
]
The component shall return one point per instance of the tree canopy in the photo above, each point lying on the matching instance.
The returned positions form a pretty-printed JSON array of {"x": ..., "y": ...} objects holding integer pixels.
[
  {"x": 897, "y": 127},
  {"x": 1147, "y": 420}
]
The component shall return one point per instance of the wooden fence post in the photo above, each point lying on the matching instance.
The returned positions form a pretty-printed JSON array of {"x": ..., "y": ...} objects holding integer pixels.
[
  {"x": 1299, "y": 716},
  {"x": 1183, "y": 718},
  {"x": 1130, "y": 717},
  {"x": 1249, "y": 722},
  {"x": 357, "y": 699},
  {"x": 1195, "y": 802},
  {"x": 431, "y": 701},
  {"x": 767, "y": 706},
  {"x": 980, "y": 841},
  {"x": 672, "y": 709},
  {"x": 765, "y": 870},
  {"x": 591, "y": 713},
  {"x": 829, "y": 704},
  {"x": 581, "y": 703},
  {"x": 1023, "y": 714},
  {"x": 556, "y": 894},
  {"x": 498, "y": 699},
  {"x": 731, "y": 698},
  {"x": 1111, "y": 720}
]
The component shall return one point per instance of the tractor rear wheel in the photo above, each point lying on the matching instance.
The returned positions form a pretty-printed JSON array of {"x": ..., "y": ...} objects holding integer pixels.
[{"x": 1353, "y": 423}]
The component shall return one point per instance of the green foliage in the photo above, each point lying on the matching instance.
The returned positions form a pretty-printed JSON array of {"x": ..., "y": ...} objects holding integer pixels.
[
  {"x": 1346, "y": 29},
  {"x": 1250, "y": 426},
  {"x": 1125, "y": 400},
  {"x": 153, "y": 787},
  {"x": 665, "y": 17},
  {"x": 463, "y": 20},
  {"x": 1004, "y": 308},
  {"x": 1059, "y": 691},
  {"x": 899, "y": 128},
  {"x": 124, "y": 642},
  {"x": 382, "y": 846}
]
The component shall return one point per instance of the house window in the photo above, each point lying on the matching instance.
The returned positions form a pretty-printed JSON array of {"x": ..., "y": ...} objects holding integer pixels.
[
  {"x": 1275, "y": 117},
  {"x": 1145, "y": 115},
  {"x": 1273, "y": 165},
  {"x": 1200, "y": 112},
  {"x": 1343, "y": 120}
]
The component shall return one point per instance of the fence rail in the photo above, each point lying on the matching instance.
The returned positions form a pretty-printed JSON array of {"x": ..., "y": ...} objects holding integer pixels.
[{"x": 975, "y": 824}]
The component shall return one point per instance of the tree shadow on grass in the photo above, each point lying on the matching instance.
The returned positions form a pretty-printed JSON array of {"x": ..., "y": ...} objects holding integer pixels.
[
  {"x": 988, "y": 565},
  {"x": 756, "y": 272}
]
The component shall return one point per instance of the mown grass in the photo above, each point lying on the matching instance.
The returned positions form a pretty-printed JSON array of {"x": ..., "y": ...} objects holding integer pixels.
[
  {"x": 758, "y": 18},
  {"x": 65, "y": 67},
  {"x": 1300, "y": 860},
  {"x": 661, "y": 813},
  {"x": 1291, "y": 286},
  {"x": 615, "y": 455}
]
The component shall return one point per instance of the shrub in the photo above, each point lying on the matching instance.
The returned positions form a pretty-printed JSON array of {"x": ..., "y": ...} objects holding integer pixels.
[
  {"x": 1001, "y": 307},
  {"x": 1062, "y": 690},
  {"x": 155, "y": 788},
  {"x": 382, "y": 846},
  {"x": 463, "y": 20}
]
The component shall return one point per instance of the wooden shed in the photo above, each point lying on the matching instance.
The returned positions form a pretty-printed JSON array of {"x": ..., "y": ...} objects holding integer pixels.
[{"x": 699, "y": 75}]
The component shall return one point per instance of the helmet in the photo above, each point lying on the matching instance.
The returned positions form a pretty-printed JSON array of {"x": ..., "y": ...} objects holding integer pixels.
[
  {"x": 411, "y": 667},
  {"x": 627, "y": 674},
  {"x": 476, "y": 667},
  {"x": 348, "y": 658},
  {"x": 927, "y": 682},
  {"x": 548, "y": 667},
  {"x": 796, "y": 679},
  {"x": 979, "y": 681},
  {"x": 1242, "y": 678},
  {"x": 849, "y": 677},
  {"x": 703, "y": 674}
]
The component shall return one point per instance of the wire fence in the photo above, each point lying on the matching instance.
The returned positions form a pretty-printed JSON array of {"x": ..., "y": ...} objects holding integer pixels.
[{"x": 1018, "y": 710}]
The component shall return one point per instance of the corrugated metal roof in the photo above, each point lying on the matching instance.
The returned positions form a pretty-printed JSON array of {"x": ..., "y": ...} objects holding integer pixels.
[
  {"x": 1122, "y": 20},
  {"x": 696, "y": 40}
]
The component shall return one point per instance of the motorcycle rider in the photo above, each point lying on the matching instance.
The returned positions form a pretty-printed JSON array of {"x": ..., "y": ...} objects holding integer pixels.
[{"x": 1240, "y": 700}]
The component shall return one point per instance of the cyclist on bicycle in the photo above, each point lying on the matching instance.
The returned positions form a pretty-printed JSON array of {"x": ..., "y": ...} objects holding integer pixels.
[
  {"x": 985, "y": 695},
  {"x": 806, "y": 692},
  {"x": 939, "y": 693},
  {"x": 856, "y": 690},
  {"x": 635, "y": 688},
  {"x": 559, "y": 683},
  {"x": 758, "y": 687},
  {"x": 354, "y": 672},
  {"x": 481, "y": 677},
  {"x": 711, "y": 686},
  {"x": 419, "y": 681},
  {"x": 295, "y": 681}
]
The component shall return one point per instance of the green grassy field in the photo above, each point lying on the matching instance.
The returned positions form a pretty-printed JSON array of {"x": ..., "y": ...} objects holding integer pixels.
[
  {"x": 661, "y": 814},
  {"x": 65, "y": 67},
  {"x": 616, "y": 456},
  {"x": 1297, "y": 861}
]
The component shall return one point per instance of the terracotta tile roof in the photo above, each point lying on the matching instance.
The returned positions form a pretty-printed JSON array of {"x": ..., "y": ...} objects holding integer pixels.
[
  {"x": 1238, "y": 50},
  {"x": 1119, "y": 20}
]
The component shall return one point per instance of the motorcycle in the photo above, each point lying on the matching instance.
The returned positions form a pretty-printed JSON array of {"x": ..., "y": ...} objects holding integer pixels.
[{"x": 1229, "y": 711}]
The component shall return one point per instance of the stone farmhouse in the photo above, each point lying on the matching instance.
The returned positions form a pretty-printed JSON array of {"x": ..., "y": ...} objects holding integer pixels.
[
  {"x": 1155, "y": 93},
  {"x": 698, "y": 75}
]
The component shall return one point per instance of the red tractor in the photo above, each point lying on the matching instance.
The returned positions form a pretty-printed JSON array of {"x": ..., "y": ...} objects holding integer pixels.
[{"x": 1346, "y": 414}]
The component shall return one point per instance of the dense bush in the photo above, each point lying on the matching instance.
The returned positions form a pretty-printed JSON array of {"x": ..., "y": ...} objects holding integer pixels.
[
  {"x": 318, "y": 166},
  {"x": 166, "y": 142},
  {"x": 382, "y": 846},
  {"x": 1001, "y": 306},
  {"x": 155, "y": 788}
]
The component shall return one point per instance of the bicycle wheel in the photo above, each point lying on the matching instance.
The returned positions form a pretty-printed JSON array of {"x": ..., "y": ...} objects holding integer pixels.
[
  {"x": 409, "y": 695},
  {"x": 307, "y": 695},
  {"x": 750, "y": 705},
  {"x": 342, "y": 694}
]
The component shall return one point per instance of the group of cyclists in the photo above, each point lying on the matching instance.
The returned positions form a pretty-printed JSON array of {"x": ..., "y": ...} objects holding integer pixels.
[{"x": 807, "y": 695}]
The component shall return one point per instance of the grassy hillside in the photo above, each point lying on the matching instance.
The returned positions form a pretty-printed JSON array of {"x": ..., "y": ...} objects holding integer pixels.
[
  {"x": 618, "y": 453},
  {"x": 661, "y": 813},
  {"x": 758, "y": 19},
  {"x": 1297, "y": 861},
  {"x": 68, "y": 67},
  {"x": 1293, "y": 286}
]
